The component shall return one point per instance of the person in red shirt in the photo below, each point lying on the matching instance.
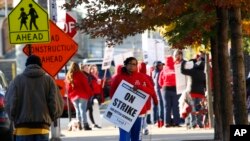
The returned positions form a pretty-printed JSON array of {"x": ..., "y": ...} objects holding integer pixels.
[
  {"x": 130, "y": 74},
  {"x": 79, "y": 93},
  {"x": 142, "y": 68},
  {"x": 96, "y": 86},
  {"x": 168, "y": 83}
]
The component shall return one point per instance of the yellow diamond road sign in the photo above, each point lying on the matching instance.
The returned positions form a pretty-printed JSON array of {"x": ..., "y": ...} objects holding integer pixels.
[{"x": 28, "y": 23}]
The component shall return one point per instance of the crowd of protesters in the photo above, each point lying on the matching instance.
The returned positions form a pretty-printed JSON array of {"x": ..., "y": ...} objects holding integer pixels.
[{"x": 176, "y": 88}]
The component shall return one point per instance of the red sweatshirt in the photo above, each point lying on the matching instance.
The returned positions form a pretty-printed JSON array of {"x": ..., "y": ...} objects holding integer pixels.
[
  {"x": 81, "y": 88},
  {"x": 141, "y": 82},
  {"x": 167, "y": 75},
  {"x": 142, "y": 68}
]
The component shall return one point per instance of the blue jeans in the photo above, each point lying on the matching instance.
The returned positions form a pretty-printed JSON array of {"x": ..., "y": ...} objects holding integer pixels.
[
  {"x": 41, "y": 137},
  {"x": 80, "y": 106},
  {"x": 195, "y": 119},
  {"x": 159, "y": 110},
  {"x": 172, "y": 106},
  {"x": 134, "y": 134}
]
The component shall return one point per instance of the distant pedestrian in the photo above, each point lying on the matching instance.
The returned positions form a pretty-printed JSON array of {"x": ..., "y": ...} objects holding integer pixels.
[
  {"x": 197, "y": 91},
  {"x": 79, "y": 92},
  {"x": 23, "y": 16},
  {"x": 181, "y": 79},
  {"x": 130, "y": 74},
  {"x": 95, "y": 83},
  {"x": 33, "y": 102},
  {"x": 168, "y": 83},
  {"x": 33, "y": 16},
  {"x": 158, "y": 111},
  {"x": 143, "y": 69}
]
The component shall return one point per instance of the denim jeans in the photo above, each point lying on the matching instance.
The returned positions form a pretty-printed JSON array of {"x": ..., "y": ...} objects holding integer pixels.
[
  {"x": 41, "y": 137},
  {"x": 80, "y": 106},
  {"x": 134, "y": 134},
  {"x": 159, "y": 110},
  {"x": 172, "y": 106},
  {"x": 195, "y": 119}
]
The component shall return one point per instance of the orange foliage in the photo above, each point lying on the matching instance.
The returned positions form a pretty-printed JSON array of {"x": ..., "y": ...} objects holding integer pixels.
[{"x": 246, "y": 27}]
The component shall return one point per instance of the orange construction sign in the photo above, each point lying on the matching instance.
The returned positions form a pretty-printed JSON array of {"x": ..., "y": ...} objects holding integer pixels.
[{"x": 56, "y": 54}]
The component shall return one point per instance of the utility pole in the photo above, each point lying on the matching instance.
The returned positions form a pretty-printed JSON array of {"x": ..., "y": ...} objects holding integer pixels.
[{"x": 55, "y": 127}]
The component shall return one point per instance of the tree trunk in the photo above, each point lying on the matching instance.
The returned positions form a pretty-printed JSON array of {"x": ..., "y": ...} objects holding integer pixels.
[
  {"x": 225, "y": 75},
  {"x": 209, "y": 92},
  {"x": 238, "y": 68},
  {"x": 216, "y": 90}
]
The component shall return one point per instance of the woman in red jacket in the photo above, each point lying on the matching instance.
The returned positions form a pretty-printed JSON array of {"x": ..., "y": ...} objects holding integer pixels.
[
  {"x": 79, "y": 93},
  {"x": 168, "y": 83},
  {"x": 130, "y": 74}
]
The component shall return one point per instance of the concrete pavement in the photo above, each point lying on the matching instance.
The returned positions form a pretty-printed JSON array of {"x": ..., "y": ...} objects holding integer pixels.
[{"x": 111, "y": 133}]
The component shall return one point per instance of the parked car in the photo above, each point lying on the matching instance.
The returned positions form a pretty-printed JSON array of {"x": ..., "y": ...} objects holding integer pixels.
[{"x": 5, "y": 124}]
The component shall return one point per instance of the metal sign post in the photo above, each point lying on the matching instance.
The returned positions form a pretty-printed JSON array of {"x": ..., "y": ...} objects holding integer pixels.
[{"x": 55, "y": 128}]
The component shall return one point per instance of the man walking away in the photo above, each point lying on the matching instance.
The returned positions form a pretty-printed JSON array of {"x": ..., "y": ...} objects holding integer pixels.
[{"x": 33, "y": 102}]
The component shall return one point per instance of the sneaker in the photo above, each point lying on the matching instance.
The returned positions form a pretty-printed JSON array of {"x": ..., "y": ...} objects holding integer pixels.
[
  {"x": 176, "y": 125},
  {"x": 194, "y": 126},
  {"x": 146, "y": 132},
  {"x": 167, "y": 125},
  {"x": 97, "y": 126},
  {"x": 201, "y": 126}
]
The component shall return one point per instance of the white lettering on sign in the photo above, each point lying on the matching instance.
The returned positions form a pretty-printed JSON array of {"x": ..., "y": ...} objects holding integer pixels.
[
  {"x": 69, "y": 27},
  {"x": 29, "y": 37},
  {"x": 240, "y": 132}
]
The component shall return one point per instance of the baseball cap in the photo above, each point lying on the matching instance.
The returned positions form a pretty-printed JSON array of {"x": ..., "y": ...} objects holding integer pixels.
[{"x": 156, "y": 63}]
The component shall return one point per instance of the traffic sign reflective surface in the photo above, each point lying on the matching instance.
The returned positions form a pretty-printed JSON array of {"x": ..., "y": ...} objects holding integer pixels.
[
  {"x": 69, "y": 26},
  {"x": 28, "y": 23},
  {"x": 54, "y": 55}
]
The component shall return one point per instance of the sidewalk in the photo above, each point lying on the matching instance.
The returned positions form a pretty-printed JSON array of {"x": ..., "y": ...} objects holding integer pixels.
[
  {"x": 155, "y": 134},
  {"x": 110, "y": 133}
]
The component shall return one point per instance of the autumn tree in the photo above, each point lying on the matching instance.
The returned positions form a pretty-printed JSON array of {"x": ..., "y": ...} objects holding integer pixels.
[{"x": 194, "y": 21}]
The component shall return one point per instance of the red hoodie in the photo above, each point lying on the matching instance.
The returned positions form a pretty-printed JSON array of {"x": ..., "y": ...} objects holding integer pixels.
[
  {"x": 118, "y": 70},
  {"x": 143, "y": 69},
  {"x": 137, "y": 79},
  {"x": 167, "y": 75},
  {"x": 81, "y": 87}
]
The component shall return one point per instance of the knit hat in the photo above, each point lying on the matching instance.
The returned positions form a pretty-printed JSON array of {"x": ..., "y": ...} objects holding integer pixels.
[{"x": 33, "y": 59}]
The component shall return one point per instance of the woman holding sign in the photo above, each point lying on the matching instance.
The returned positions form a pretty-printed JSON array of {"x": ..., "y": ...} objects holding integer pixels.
[{"x": 130, "y": 74}]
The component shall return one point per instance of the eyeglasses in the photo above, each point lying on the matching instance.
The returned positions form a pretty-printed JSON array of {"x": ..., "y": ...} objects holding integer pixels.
[{"x": 132, "y": 64}]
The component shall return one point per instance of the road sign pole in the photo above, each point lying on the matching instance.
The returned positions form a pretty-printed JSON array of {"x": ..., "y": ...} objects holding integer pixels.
[{"x": 55, "y": 128}]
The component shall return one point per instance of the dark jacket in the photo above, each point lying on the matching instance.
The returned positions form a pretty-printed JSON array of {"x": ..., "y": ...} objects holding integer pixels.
[
  {"x": 33, "y": 99},
  {"x": 198, "y": 77}
]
